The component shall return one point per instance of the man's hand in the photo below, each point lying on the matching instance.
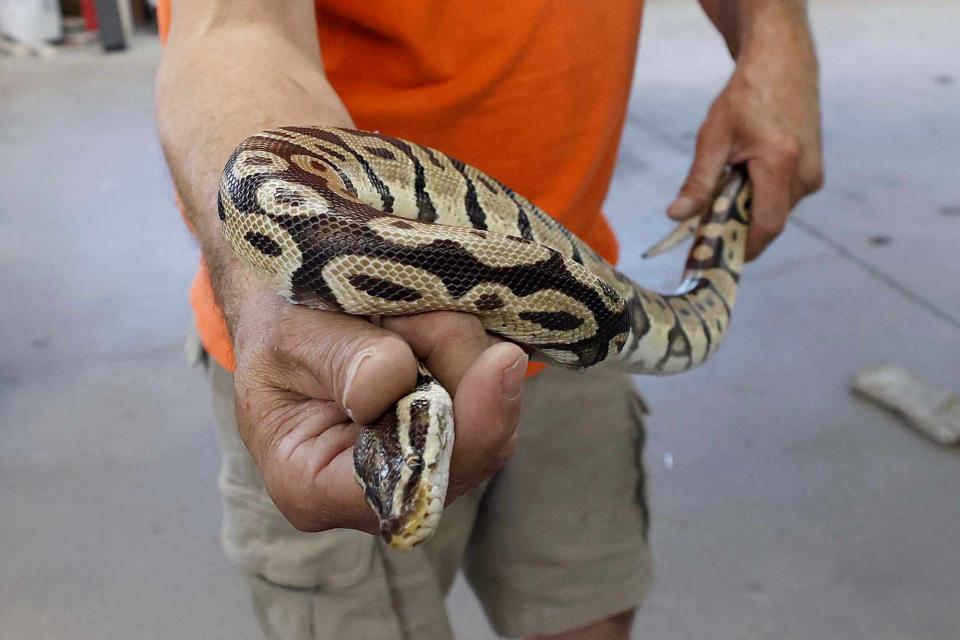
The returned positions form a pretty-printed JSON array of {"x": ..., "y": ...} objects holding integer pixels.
[
  {"x": 301, "y": 374},
  {"x": 768, "y": 116},
  {"x": 305, "y": 379}
]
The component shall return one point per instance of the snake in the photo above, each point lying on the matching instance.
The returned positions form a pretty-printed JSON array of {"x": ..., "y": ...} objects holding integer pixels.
[{"x": 370, "y": 225}]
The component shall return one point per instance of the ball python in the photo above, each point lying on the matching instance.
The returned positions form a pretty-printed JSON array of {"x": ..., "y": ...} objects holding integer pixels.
[{"x": 369, "y": 225}]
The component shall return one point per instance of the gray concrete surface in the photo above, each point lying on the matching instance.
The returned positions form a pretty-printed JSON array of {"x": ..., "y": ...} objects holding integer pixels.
[{"x": 790, "y": 510}]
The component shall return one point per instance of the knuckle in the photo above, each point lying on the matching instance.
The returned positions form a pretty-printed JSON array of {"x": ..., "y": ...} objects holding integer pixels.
[
  {"x": 510, "y": 448},
  {"x": 501, "y": 451},
  {"x": 455, "y": 328},
  {"x": 780, "y": 149},
  {"x": 431, "y": 333},
  {"x": 285, "y": 347},
  {"x": 455, "y": 324},
  {"x": 299, "y": 517},
  {"x": 291, "y": 512},
  {"x": 300, "y": 508},
  {"x": 301, "y": 524},
  {"x": 703, "y": 137},
  {"x": 786, "y": 148},
  {"x": 340, "y": 357},
  {"x": 323, "y": 349},
  {"x": 696, "y": 187},
  {"x": 342, "y": 349},
  {"x": 718, "y": 108},
  {"x": 285, "y": 338},
  {"x": 769, "y": 229},
  {"x": 712, "y": 136},
  {"x": 503, "y": 455},
  {"x": 813, "y": 178}
]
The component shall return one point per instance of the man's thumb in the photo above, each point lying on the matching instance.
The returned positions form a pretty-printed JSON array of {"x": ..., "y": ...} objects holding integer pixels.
[{"x": 361, "y": 366}]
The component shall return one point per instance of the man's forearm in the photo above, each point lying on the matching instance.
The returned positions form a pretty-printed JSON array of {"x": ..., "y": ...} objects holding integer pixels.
[
  {"x": 743, "y": 22},
  {"x": 304, "y": 377},
  {"x": 217, "y": 85}
]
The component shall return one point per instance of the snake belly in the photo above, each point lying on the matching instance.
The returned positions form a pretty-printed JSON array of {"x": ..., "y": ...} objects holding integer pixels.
[{"x": 365, "y": 224}]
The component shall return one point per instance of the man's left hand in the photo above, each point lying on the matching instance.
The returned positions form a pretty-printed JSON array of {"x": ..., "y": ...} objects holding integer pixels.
[{"x": 768, "y": 116}]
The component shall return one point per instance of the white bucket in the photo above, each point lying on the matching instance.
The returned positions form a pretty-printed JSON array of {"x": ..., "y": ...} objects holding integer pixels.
[{"x": 31, "y": 21}]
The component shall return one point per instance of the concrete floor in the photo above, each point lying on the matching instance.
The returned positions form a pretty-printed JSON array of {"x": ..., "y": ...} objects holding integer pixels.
[{"x": 790, "y": 511}]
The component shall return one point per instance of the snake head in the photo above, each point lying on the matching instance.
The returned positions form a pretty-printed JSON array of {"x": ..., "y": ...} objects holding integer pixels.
[{"x": 402, "y": 463}]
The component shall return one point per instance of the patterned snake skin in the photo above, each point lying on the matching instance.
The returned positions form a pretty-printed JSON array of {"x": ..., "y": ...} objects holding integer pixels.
[{"x": 364, "y": 224}]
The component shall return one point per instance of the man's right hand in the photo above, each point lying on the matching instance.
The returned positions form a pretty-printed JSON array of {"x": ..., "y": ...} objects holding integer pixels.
[
  {"x": 306, "y": 379},
  {"x": 230, "y": 69}
]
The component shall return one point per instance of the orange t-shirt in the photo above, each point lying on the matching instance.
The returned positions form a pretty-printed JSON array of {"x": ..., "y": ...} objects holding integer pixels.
[{"x": 533, "y": 92}]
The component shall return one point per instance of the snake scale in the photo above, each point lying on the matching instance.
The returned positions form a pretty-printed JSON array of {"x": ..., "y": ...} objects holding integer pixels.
[{"x": 361, "y": 223}]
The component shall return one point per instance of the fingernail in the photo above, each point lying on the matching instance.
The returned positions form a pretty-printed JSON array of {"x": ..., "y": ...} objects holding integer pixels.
[
  {"x": 512, "y": 379},
  {"x": 351, "y": 374},
  {"x": 682, "y": 207}
]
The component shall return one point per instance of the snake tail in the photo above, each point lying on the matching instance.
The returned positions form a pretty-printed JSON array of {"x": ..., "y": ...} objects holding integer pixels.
[{"x": 693, "y": 320}]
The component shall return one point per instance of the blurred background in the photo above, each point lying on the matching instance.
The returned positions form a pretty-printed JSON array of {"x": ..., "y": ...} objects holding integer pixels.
[{"x": 783, "y": 507}]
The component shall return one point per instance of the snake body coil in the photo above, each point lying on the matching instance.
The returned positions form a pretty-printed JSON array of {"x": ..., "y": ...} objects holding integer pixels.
[{"x": 365, "y": 224}]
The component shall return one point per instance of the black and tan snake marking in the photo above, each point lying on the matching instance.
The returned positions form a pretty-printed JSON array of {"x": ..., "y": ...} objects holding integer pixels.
[{"x": 361, "y": 223}]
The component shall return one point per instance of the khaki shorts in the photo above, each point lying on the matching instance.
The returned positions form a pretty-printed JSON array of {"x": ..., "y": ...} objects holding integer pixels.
[{"x": 556, "y": 540}]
